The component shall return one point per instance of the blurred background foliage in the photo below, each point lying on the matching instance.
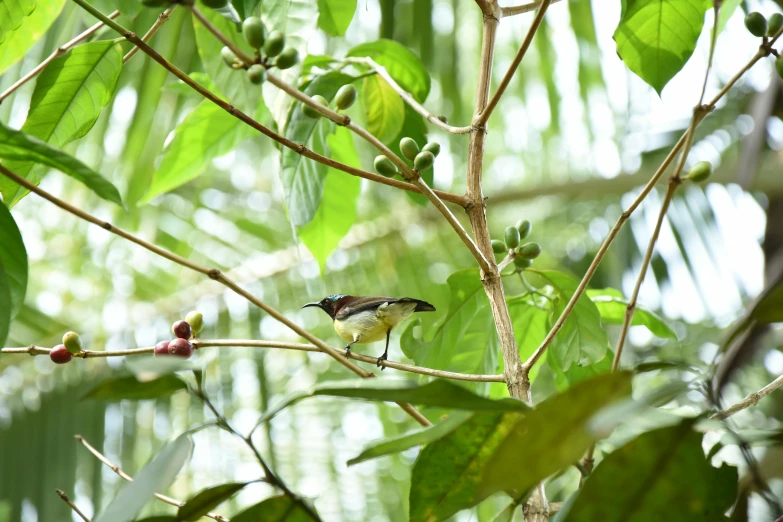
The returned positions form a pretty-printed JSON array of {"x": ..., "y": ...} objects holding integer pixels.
[{"x": 575, "y": 136}]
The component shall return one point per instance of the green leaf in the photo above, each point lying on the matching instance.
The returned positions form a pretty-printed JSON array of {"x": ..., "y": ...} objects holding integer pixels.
[
  {"x": 660, "y": 475},
  {"x": 206, "y": 133},
  {"x": 66, "y": 102},
  {"x": 383, "y": 447},
  {"x": 507, "y": 514},
  {"x": 275, "y": 509},
  {"x": 158, "y": 518},
  {"x": 16, "y": 145},
  {"x": 12, "y": 14},
  {"x": 612, "y": 305},
  {"x": 337, "y": 212},
  {"x": 18, "y": 41},
  {"x": 157, "y": 475},
  {"x": 577, "y": 372},
  {"x": 5, "y": 304},
  {"x": 204, "y": 501},
  {"x": 439, "y": 392},
  {"x": 530, "y": 328},
  {"x": 13, "y": 258},
  {"x": 303, "y": 183},
  {"x": 400, "y": 62},
  {"x": 131, "y": 388},
  {"x": 334, "y": 16},
  {"x": 727, "y": 10},
  {"x": 383, "y": 108},
  {"x": 656, "y": 38}
]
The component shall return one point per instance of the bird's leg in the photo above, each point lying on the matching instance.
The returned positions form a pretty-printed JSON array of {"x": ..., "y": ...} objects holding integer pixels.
[
  {"x": 348, "y": 346},
  {"x": 385, "y": 352}
]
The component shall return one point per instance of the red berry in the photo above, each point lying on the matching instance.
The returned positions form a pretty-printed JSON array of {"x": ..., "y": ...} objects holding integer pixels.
[
  {"x": 162, "y": 348},
  {"x": 181, "y": 329},
  {"x": 60, "y": 354},
  {"x": 180, "y": 347}
]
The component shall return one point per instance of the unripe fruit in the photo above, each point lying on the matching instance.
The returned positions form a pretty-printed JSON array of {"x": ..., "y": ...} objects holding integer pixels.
[
  {"x": 196, "y": 321},
  {"x": 756, "y": 24},
  {"x": 409, "y": 148},
  {"x": 511, "y": 236},
  {"x": 423, "y": 160},
  {"x": 779, "y": 66},
  {"x": 180, "y": 348},
  {"x": 287, "y": 59},
  {"x": 774, "y": 24},
  {"x": 60, "y": 354},
  {"x": 181, "y": 329},
  {"x": 384, "y": 166},
  {"x": 154, "y": 3},
  {"x": 524, "y": 227},
  {"x": 254, "y": 32},
  {"x": 256, "y": 74},
  {"x": 522, "y": 263},
  {"x": 311, "y": 112},
  {"x": 498, "y": 246},
  {"x": 229, "y": 57},
  {"x": 162, "y": 348},
  {"x": 529, "y": 251},
  {"x": 433, "y": 147},
  {"x": 345, "y": 97},
  {"x": 274, "y": 43},
  {"x": 72, "y": 342},
  {"x": 215, "y": 4},
  {"x": 699, "y": 172}
]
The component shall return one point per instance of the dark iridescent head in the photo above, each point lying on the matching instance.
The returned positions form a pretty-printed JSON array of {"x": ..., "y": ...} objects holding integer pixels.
[{"x": 330, "y": 304}]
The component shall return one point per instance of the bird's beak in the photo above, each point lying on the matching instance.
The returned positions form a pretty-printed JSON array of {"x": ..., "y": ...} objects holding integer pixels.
[{"x": 312, "y": 304}]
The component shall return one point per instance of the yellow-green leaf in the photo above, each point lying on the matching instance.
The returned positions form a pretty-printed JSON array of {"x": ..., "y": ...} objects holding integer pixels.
[{"x": 383, "y": 107}]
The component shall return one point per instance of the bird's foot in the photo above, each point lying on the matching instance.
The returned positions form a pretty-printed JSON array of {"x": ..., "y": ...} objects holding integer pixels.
[
  {"x": 378, "y": 363},
  {"x": 348, "y": 351}
]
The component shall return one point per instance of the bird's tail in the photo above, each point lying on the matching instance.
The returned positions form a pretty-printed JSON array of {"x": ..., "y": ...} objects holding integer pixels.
[{"x": 421, "y": 306}]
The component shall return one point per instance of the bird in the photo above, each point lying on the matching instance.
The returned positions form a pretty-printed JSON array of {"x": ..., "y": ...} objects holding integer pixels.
[{"x": 367, "y": 319}]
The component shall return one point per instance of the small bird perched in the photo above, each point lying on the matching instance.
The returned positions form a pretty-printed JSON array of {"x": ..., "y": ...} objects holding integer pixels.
[{"x": 364, "y": 320}]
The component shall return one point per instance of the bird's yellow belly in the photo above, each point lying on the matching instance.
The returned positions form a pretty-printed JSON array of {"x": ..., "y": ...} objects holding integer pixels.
[{"x": 366, "y": 327}]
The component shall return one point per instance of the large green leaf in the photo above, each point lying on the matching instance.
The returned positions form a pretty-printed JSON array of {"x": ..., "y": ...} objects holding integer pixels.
[
  {"x": 275, "y": 509},
  {"x": 383, "y": 108},
  {"x": 131, "y": 388},
  {"x": 157, "y": 475},
  {"x": 334, "y": 16},
  {"x": 18, "y": 41},
  {"x": 303, "y": 179},
  {"x": 337, "y": 212},
  {"x": 12, "y": 13},
  {"x": 660, "y": 475},
  {"x": 204, "y": 501},
  {"x": 206, "y": 133},
  {"x": 5, "y": 303},
  {"x": 530, "y": 327},
  {"x": 612, "y": 306},
  {"x": 401, "y": 63},
  {"x": 66, "y": 102},
  {"x": 656, "y": 38},
  {"x": 18, "y": 146},
  {"x": 13, "y": 258}
]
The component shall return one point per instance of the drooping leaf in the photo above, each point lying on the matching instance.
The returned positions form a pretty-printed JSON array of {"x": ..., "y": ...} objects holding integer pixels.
[
  {"x": 660, "y": 475},
  {"x": 612, "y": 305},
  {"x": 383, "y": 107},
  {"x": 275, "y": 509},
  {"x": 5, "y": 304},
  {"x": 131, "y": 388},
  {"x": 157, "y": 475},
  {"x": 334, "y": 16},
  {"x": 68, "y": 97},
  {"x": 656, "y": 38},
  {"x": 337, "y": 212},
  {"x": 12, "y": 14},
  {"x": 13, "y": 258},
  {"x": 33, "y": 27},
  {"x": 401, "y": 63},
  {"x": 204, "y": 501},
  {"x": 18, "y": 146},
  {"x": 383, "y": 447}
]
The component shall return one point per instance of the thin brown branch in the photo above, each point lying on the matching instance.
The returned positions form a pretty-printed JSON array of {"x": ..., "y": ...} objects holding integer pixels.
[
  {"x": 116, "y": 469},
  {"x": 482, "y": 118},
  {"x": 162, "y": 19},
  {"x": 521, "y": 9},
  {"x": 209, "y": 26},
  {"x": 56, "y": 54},
  {"x": 212, "y": 273},
  {"x": 751, "y": 400},
  {"x": 64, "y": 497}
]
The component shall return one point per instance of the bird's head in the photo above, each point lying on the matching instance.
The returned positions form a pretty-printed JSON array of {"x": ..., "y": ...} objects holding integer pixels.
[{"x": 331, "y": 304}]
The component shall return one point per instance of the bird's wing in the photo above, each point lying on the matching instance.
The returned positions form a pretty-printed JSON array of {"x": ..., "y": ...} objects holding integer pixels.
[{"x": 362, "y": 303}]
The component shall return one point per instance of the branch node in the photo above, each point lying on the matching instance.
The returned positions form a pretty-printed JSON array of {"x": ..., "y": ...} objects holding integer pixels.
[
  {"x": 108, "y": 226},
  {"x": 214, "y": 274}
]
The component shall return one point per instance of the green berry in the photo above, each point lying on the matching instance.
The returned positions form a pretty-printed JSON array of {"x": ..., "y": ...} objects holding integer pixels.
[
  {"x": 215, "y": 4},
  {"x": 423, "y": 160},
  {"x": 774, "y": 24},
  {"x": 310, "y": 112},
  {"x": 524, "y": 227},
  {"x": 529, "y": 251},
  {"x": 699, "y": 172},
  {"x": 779, "y": 66},
  {"x": 384, "y": 166},
  {"x": 756, "y": 24},
  {"x": 498, "y": 246},
  {"x": 345, "y": 97},
  {"x": 256, "y": 74},
  {"x": 511, "y": 236},
  {"x": 433, "y": 147},
  {"x": 409, "y": 148},
  {"x": 72, "y": 342},
  {"x": 229, "y": 57},
  {"x": 287, "y": 59},
  {"x": 522, "y": 263},
  {"x": 274, "y": 43},
  {"x": 196, "y": 321},
  {"x": 254, "y": 31}
]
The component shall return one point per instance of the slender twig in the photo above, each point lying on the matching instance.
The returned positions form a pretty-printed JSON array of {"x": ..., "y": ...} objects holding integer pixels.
[
  {"x": 162, "y": 19},
  {"x": 56, "y": 54},
  {"x": 482, "y": 118},
  {"x": 520, "y": 9},
  {"x": 751, "y": 400},
  {"x": 212, "y": 273},
  {"x": 116, "y": 469},
  {"x": 64, "y": 497},
  {"x": 209, "y": 26}
]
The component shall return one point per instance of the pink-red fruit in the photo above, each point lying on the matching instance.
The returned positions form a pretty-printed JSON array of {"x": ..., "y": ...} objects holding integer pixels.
[
  {"x": 162, "y": 348},
  {"x": 181, "y": 329},
  {"x": 181, "y": 348},
  {"x": 60, "y": 354}
]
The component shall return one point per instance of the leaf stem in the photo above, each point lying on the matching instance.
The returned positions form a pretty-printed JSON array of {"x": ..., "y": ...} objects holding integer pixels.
[{"x": 521, "y": 9}]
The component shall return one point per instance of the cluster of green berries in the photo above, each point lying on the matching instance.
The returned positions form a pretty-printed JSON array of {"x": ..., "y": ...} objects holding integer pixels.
[
  {"x": 422, "y": 159},
  {"x": 343, "y": 100},
  {"x": 699, "y": 172},
  {"x": 63, "y": 353},
  {"x": 523, "y": 254},
  {"x": 270, "y": 50},
  {"x": 183, "y": 331},
  {"x": 759, "y": 26}
]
